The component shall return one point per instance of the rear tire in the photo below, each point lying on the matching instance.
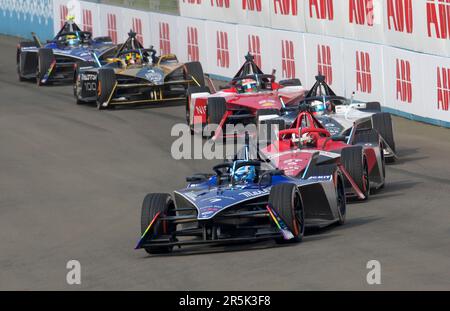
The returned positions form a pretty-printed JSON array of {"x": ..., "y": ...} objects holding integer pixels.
[
  {"x": 25, "y": 44},
  {"x": 290, "y": 82},
  {"x": 76, "y": 83},
  {"x": 106, "y": 81},
  {"x": 194, "y": 70},
  {"x": 153, "y": 204},
  {"x": 45, "y": 59},
  {"x": 356, "y": 165},
  {"x": 382, "y": 122},
  {"x": 285, "y": 199},
  {"x": 190, "y": 91},
  {"x": 215, "y": 110}
]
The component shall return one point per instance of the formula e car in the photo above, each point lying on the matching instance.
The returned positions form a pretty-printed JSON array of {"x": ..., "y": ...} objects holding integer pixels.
[
  {"x": 249, "y": 97},
  {"x": 244, "y": 200},
  {"x": 360, "y": 153},
  {"x": 340, "y": 116},
  {"x": 135, "y": 75},
  {"x": 55, "y": 60}
]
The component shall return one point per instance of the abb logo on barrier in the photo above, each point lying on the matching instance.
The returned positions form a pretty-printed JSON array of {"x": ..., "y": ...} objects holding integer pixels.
[
  {"x": 404, "y": 83},
  {"x": 288, "y": 59},
  {"x": 223, "y": 54},
  {"x": 363, "y": 72},
  {"x": 220, "y": 3},
  {"x": 438, "y": 18},
  {"x": 254, "y": 47},
  {"x": 324, "y": 62},
  {"x": 193, "y": 50},
  {"x": 286, "y": 7},
  {"x": 63, "y": 13},
  {"x": 192, "y": 1},
  {"x": 87, "y": 20},
  {"x": 164, "y": 38},
  {"x": 400, "y": 15},
  {"x": 323, "y": 9},
  {"x": 361, "y": 12},
  {"x": 137, "y": 28},
  {"x": 112, "y": 27},
  {"x": 443, "y": 88},
  {"x": 252, "y": 5}
]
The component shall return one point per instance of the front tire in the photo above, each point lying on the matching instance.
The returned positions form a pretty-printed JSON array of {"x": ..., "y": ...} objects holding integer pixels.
[
  {"x": 153, "y": 204},
  {"x": 215, "y": 111},
  {"x": 356, "y": 165},
  {"x": 106, "y": 82},
  {"x": 382, "y": 122},
  {"x": 285, "y": 199},
  {"x": 20, "y": 58},
  {"x": 194, "y": 71}
]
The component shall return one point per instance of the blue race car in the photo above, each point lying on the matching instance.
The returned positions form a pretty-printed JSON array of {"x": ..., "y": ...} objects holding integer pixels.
[
  {"x": 56, "y": 60},
  {"x": 245, "y": 200}
]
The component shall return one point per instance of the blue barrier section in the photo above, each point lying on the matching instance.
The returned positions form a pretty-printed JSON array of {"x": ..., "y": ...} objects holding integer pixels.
[{"x": 21, "y": 17}]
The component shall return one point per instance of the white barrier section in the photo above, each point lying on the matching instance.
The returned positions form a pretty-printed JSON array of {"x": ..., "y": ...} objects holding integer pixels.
[
  {"x": 191, "y": 40},
  {"x": 257, "y": 41},
  {"x": 288, "y": 55},
  {"x": 356, "y": 44},
  {"x": 324, "y": 56},
  {"x": 363, "y": 71},
  {"x": 222, "y": 48}
]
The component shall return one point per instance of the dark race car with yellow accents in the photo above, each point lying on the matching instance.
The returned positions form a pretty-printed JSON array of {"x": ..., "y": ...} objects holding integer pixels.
[{"x": 135, "y": 75}]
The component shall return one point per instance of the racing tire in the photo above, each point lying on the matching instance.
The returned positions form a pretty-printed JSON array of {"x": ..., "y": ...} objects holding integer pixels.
[
  {"x": 106, "y": 82},
  {"x": 356, "y": 165},
  {"x": 215, "y": 110},
  {"x": 25, "y": 44},
  {"x": 285, "y": 199},
  {"x": 153, "y": 204},
  {"x": 190, "y": 91},
  {"x": 45, "y": 59},
  {"x": 75, "y": 80},
  {"x": 373, "y": 106},
  {"x": 382, "y": 122},
  {"x": 194, "y": 70},
  {"x": 290, "y": 82}
]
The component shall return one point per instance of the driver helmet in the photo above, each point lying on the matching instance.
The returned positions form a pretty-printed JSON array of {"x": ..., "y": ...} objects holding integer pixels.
[
  {"x": 72, "y": 40},
  {"x": 132, "y": 58},
  {"x": 245, "y": 174},
  {"x": 249, "y": 86},
  {"x": 319, "y": 107}
]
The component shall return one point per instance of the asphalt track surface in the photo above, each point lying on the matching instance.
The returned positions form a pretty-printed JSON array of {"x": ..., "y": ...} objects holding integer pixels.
[{"x": 72, "y": 180}]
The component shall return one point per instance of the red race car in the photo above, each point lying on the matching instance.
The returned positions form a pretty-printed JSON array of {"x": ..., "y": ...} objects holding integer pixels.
[
  {"x": 250, "y": 97},
  {"x": 360, "y": 155}
]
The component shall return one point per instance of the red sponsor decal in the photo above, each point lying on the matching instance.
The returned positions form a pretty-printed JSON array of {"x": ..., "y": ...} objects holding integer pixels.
[
  {"x": 438, "y": 18},
  {"x": 443, "y": 88},
  {"x": 137, "y": 28},
  {"x": 363, "y": 72},
  {"x": 361, "y": 12},
  {"x": 254, "y": 47},
  {"x": 400, "y": 15},
  {"x": 223, "y": 54},
  {"x": 112, "y": 27},
  {"x": 323, "y": 9},
  {"x": 192, "y": 44},
  {"x": 252, "y": 5},
  {"x": 288, "y": 59},
  {"x": 324, "y": 64},
  {"x": 404, "y": 83},
  {"x": 87, "y": 20},
  {"x": 286, "y": 7},
  {"x": 63, "y": 13},
  {"x": 164, "y": 38},
  {"x": 221, "y": 3}
]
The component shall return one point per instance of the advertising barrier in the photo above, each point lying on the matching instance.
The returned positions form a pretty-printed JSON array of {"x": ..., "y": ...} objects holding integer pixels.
[{"x": 354, "y": 44}]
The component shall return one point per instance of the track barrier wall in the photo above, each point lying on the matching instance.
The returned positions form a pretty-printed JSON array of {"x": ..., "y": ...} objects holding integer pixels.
[{"x": 392, "y": 51}]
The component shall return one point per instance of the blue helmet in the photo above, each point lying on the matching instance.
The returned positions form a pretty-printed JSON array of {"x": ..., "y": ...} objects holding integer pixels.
[{"x": 245, "y": 174}]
